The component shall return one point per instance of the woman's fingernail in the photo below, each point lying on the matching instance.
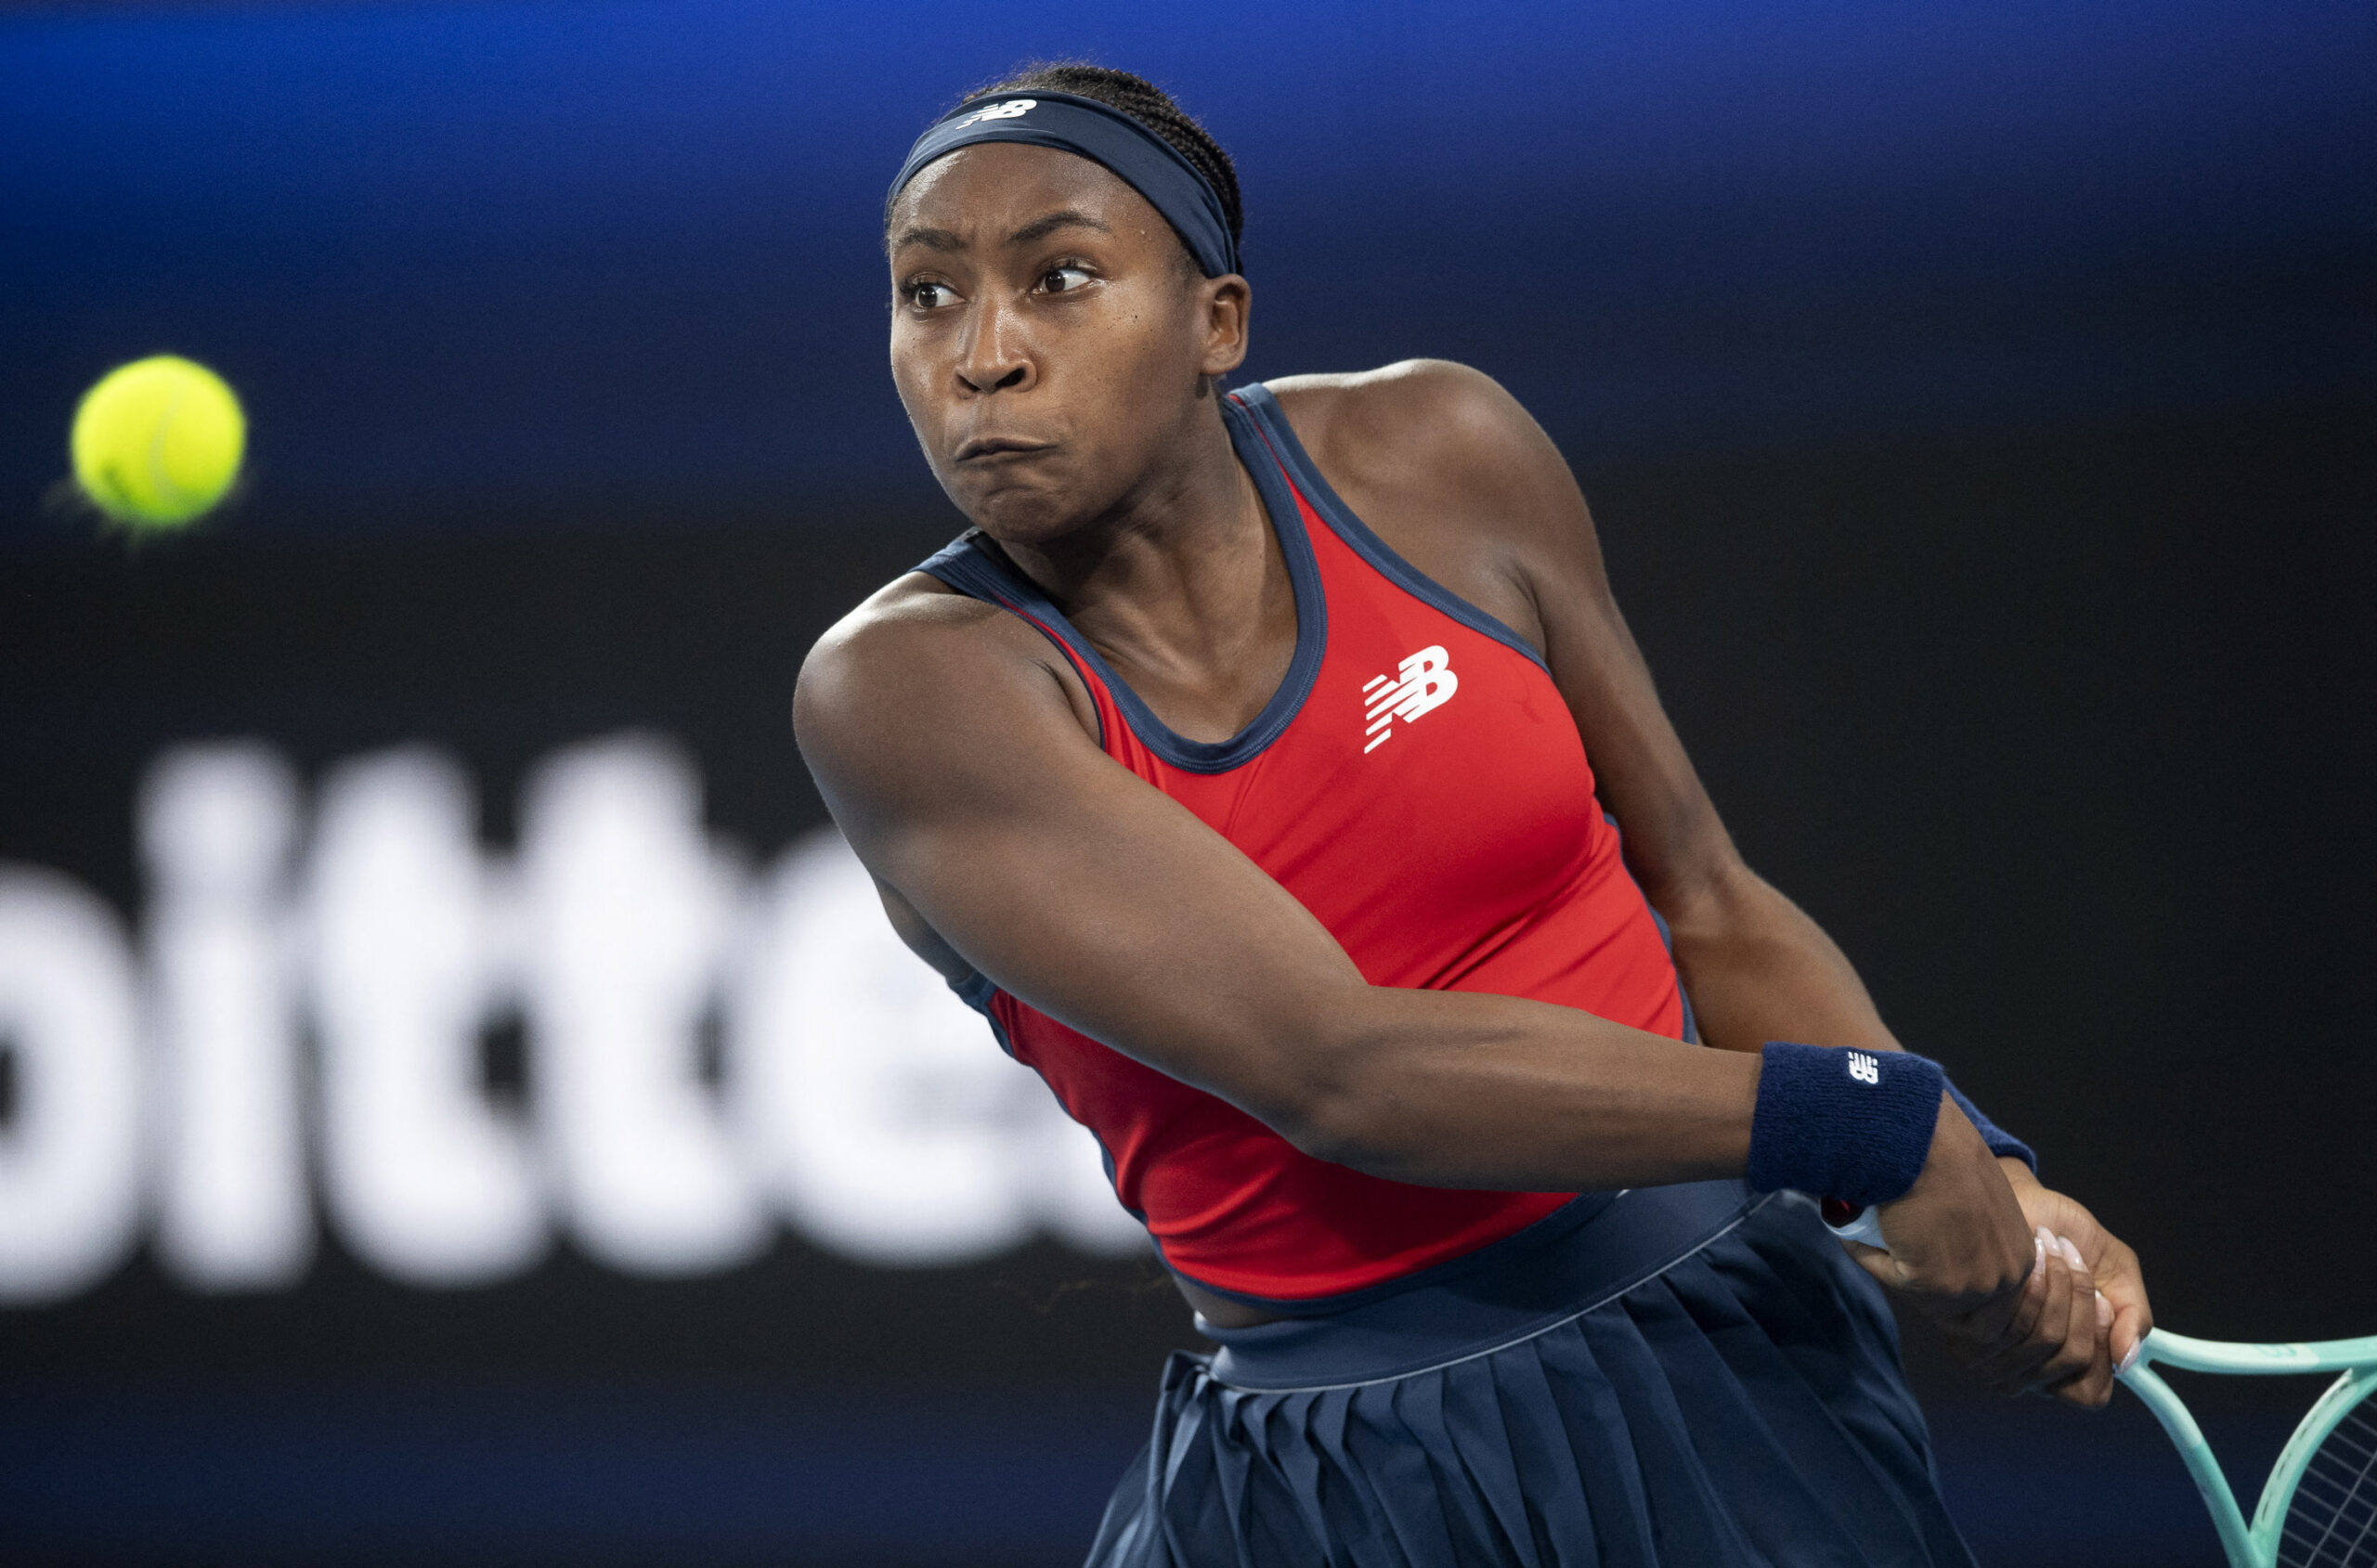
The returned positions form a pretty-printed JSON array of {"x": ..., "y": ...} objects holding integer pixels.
[
  {"x": 2131, "y": 1359},
  {"x": 2104, "y": 1312},
  {"x": 2038, "y": 1252},
  {"x": 2071, "y": 1253}
]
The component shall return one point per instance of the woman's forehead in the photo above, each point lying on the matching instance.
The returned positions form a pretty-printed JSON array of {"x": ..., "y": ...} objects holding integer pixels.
[{"x": 987, "y": 190}]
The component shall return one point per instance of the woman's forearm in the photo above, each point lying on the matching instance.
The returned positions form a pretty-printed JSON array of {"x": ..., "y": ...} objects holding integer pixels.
[
  {"x": 1758, "y": 968},
  {"x": 1461, "y": 1090},
  {"x": 1465, "y": 1089}
]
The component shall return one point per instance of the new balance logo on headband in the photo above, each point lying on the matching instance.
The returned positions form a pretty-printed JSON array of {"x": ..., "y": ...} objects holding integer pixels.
[
  {"x": 1864, "y": 1069},
  {"x": 1014, "y": 108},
  {"x": 1103, "y": 134}
]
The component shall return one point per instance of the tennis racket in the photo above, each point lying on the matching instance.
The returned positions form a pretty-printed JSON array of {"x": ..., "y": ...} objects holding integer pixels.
[{"x": 2318, "y": 1508}]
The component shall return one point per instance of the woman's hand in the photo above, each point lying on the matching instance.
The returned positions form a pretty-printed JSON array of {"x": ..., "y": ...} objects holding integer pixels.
[
  {"x": 2082, "y": 1314},
  {"x": 1960, "y": 1247},
  {"x": 2076, "y": 1318}
]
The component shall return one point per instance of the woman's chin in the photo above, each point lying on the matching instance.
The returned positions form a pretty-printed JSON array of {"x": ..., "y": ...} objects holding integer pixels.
[{"x": 1022, "y": 514}]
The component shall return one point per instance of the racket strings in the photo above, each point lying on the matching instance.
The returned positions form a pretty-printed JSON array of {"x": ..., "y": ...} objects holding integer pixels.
[{"x": 2332, "y": 1520}]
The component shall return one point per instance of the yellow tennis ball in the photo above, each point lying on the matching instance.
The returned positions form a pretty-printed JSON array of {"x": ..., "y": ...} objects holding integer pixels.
[{"x": 156, "y": 442}]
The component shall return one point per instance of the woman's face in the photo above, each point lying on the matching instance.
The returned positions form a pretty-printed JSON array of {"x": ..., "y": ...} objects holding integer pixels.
[{"x": 1048, "y": 335}]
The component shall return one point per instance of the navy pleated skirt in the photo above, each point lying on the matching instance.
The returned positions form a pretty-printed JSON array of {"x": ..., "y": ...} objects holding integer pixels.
[{"x": 1688, "y": 1377}]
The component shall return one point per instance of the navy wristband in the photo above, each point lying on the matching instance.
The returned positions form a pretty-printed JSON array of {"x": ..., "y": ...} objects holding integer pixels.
[
  {"x": 1834, "y": 1122},
  {"x": 2002, "y": 1144}
]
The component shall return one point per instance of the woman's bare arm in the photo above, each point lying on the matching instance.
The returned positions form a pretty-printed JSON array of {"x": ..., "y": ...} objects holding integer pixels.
[{"x": 951, "y": 756}]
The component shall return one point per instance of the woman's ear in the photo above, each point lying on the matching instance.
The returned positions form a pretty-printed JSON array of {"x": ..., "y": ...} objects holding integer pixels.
[{"x": 1224, "y": 302}]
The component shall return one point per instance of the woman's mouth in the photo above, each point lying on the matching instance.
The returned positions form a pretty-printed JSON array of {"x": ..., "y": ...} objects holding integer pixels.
[{"x": 988, "y": 446}]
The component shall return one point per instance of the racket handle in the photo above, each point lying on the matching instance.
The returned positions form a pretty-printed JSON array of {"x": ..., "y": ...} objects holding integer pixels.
[{"x": 1853, "y": 1222}]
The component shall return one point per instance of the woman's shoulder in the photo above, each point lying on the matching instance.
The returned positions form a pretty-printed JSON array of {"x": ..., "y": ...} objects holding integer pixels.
[
  {"x": 913, "y": 649},
  {"x": 1447, "y": 467},
  {"x": 1432, "y": 422}
]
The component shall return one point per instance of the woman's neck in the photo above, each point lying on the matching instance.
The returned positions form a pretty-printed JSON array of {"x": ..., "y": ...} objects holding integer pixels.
[{"x": 1182, "y": 586}]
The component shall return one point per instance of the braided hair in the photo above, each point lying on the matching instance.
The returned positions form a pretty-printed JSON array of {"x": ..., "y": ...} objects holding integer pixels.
[{"x": 1148, "y": 104}]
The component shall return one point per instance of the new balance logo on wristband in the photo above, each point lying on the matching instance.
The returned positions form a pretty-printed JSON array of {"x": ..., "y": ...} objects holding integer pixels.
[{"x": 1862, "y": 1137}]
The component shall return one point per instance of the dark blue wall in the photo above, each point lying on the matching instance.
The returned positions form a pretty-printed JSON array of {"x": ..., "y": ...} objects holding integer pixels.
[{"x": 471, "y": 261}]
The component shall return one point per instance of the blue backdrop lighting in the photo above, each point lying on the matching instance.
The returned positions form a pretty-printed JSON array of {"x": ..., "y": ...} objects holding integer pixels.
[{"x": 619, "y": 259}]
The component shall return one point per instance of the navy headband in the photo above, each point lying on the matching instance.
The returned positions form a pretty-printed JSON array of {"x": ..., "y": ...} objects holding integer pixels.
[{"x": 1069, "y": 122}]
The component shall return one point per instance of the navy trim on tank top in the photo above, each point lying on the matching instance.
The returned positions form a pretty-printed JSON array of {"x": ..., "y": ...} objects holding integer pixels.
[
  {"x": 976, "y": 991},
  {"x": 976, "y": 571},
  {"x": 1273, "y": 423},
  {"x": 1691, "y": 1035},
  {"x": 974, "y": 566}
]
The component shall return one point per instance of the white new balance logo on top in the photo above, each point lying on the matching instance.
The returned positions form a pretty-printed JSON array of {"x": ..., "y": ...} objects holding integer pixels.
[
  {"x": 1864, "y": 1069},
  {"x": 1423, "y": 681}
]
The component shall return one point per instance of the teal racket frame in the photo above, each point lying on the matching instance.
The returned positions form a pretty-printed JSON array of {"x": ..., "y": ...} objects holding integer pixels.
[{"x": 2255, "y": 1544}]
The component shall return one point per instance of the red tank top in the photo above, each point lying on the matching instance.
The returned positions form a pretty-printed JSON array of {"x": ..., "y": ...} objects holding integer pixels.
[{"x": 1418, "y": 784}]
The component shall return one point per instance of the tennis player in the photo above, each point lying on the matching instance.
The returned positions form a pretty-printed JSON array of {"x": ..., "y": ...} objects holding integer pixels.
[{"x": 1256, "y": 765}]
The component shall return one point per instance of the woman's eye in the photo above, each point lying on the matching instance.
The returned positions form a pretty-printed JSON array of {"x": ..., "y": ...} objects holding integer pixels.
[
  {"x": 930, "y": 296},
  {"x": 1063, "y": 279}
]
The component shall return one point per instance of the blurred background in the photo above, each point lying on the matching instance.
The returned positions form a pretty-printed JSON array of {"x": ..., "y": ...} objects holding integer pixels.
[{"x": 460, "y": 1103}]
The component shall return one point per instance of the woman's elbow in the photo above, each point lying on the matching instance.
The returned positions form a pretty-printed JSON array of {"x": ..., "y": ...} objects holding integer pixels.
[
  {"x": 1336, "y": 1129},
  {"x": 1339, "y": 1108}
]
